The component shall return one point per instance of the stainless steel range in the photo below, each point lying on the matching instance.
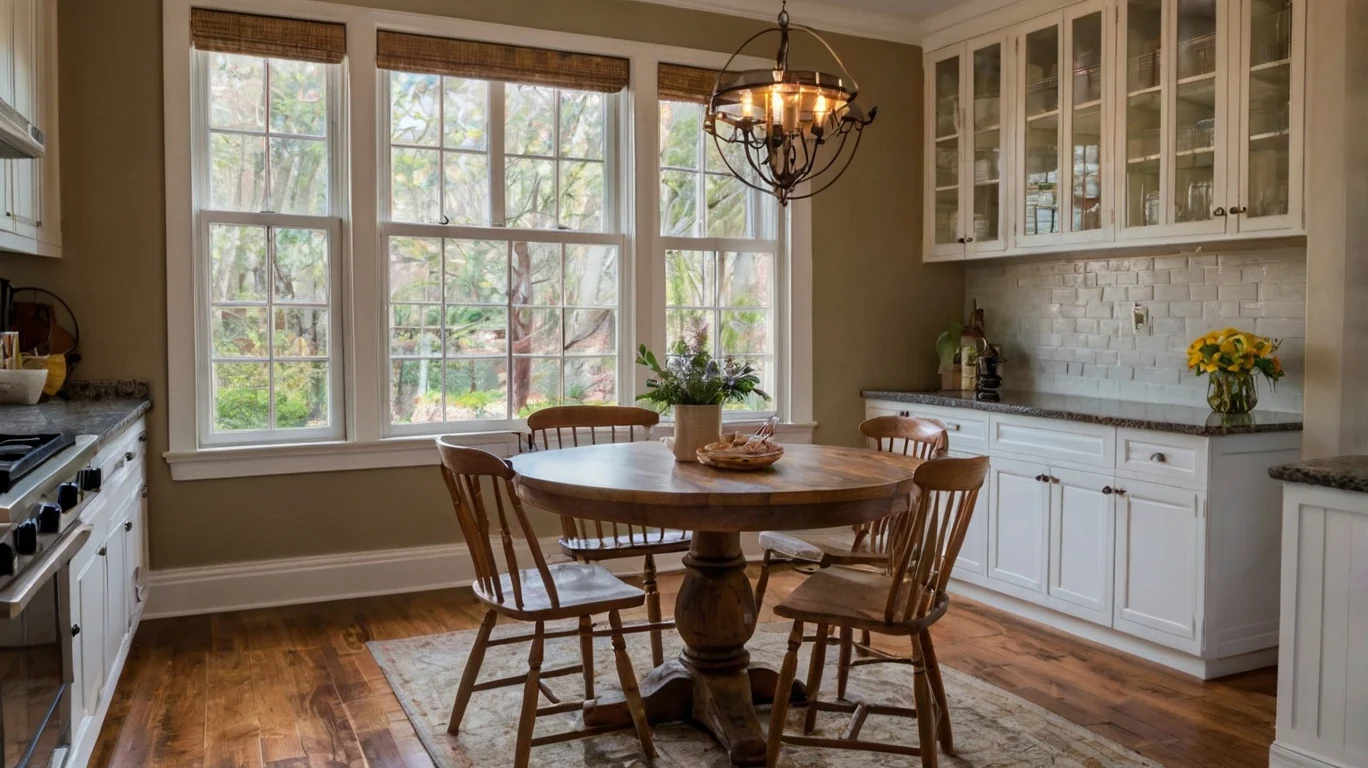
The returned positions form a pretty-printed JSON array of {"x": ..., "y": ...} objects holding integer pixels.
[{"x": 40, "y": 531}]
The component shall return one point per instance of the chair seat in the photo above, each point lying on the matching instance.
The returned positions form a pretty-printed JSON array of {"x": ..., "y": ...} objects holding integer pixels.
[
  {"x": 582, "y": 589},
  {"x": 850, "y": 598},
  {"x": 610, "y": 548},
  {"x": 825, "y": 548}
]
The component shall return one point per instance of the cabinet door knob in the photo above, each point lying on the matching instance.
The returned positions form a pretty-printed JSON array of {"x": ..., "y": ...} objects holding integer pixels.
[
  {"x": 103, "y": 551},
  {"x": 1159, "y": 458},
  {"x": 1108, "y": 491},
  {"x": 1120, "y": 491},
  {"x": 1219, "y": 212},
  {"x": 962, "y": 240},
  {"x": 128, "y": 525},
  {"x": 1055, "y": 480},
  {"x": 129, "y": 456},
  {"x": 968, "y": 239},
  {"x": 1240, "y": 211},
  {"x": 75, "y": 629}
]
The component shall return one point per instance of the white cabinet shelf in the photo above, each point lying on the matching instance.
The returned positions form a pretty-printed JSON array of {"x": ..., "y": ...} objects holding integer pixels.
[
  {"x": 1119, "y": 123},
  {"x": 1158, "y": 544}
]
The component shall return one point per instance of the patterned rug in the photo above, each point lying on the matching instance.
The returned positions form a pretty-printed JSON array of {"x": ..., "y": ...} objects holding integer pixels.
[{"x": 992, "y": 727}]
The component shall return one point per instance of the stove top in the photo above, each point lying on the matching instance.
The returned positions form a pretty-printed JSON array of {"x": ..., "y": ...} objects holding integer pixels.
[{"x": 21, "y": 454}]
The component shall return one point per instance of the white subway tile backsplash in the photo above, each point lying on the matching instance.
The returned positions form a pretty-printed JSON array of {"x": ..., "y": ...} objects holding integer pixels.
[{"x": 1065, "y": 326}]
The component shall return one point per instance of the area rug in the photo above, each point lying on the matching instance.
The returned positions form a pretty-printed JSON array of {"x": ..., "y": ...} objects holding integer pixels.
[{"x": 993, "y": 728}]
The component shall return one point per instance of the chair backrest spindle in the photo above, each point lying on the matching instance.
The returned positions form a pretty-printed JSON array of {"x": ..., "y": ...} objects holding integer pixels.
[{"x": 924, "y": 439}]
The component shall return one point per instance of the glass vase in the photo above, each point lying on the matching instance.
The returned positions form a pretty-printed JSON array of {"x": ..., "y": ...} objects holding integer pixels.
[{"x": 1232, "y": 392}]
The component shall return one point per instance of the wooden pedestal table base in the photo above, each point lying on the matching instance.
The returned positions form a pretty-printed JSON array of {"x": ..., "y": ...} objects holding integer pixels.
[{"x": 713, "y": 682}]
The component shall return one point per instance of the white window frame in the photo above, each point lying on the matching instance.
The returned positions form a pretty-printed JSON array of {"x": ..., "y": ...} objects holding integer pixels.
[
  {"x": 363, "y": 265},
  {"x": 206, "y": 217},
  {"x": 612, "y": 234}
]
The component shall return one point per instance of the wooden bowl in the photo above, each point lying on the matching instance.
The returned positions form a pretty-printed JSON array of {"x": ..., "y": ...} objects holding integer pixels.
[{"x": 739, "y": 462}]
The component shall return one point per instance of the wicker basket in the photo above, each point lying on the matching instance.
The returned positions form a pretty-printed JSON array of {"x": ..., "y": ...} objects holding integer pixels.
[{"x": 739, "y": 462}]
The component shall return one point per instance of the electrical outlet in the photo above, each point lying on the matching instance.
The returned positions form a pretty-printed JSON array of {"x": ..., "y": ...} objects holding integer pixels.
[{"x": 1140, "y": 319}]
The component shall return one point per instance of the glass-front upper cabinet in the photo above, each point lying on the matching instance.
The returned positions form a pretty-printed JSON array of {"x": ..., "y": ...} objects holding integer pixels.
[
  {"x": 1271, "y": 116},
  {"x": 967, "y": 106},
  {"x": 1060, "y": 86},
  {"x": 1173, "y": 117}
]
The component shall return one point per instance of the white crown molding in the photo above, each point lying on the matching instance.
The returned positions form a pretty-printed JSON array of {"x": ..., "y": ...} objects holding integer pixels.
[{"x": 823, "y": 16}]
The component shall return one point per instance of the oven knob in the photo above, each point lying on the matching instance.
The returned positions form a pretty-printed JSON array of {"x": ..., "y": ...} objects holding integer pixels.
[
  {"x": 49, "y": 518},
  {"x": 89, "y": 479},
  {"x": 68, "y": 495},
  {"x": 6, "y": 560},
  {"x": 26, "y": 538}
]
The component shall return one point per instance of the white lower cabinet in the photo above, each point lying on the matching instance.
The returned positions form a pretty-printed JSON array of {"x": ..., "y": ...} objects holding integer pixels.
[
  {"x": 1158, "y": 525},
  {"x": 1155, "y": 543},
  {"x": 1082, "y": 529},
  {"x": 1018, "y": 547},
  {"x": 105, "y": 587}
]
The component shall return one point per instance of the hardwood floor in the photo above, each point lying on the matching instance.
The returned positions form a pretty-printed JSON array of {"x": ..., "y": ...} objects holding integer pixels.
[{"x": 294, "y": 687}]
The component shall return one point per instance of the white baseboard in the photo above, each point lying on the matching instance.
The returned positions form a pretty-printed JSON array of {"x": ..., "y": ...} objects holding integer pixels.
[
  {"x": 1205, "y": 669},
  {"x": 291, "y": 581},
  {"x": 1281, "y": 755}
]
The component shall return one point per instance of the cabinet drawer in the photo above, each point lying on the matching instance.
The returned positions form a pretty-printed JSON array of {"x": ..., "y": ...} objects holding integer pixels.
[
  {"x": 1162, "y": 455},
  {"x": 968, "y": 429},
  {"x": 121, "y": 460},
  {"x": 1087, "y": 444}
]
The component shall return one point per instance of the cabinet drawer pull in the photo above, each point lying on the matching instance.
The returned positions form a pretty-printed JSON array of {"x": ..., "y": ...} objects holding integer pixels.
[
  {"x": 129, "y": 456},
  {"x": 953, "y": 427},
  {"x": 1159, "y": 458}
]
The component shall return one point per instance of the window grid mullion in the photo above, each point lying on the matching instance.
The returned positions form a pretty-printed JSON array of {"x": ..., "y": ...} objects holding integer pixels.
[
  {"x": 441, "y": 179},
  {"x": 498, "y": 213},
  {"x": 266, "y": 159},
  {"x": 442, "y": 319}
]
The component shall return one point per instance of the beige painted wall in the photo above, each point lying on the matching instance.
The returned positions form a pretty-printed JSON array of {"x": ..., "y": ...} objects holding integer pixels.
[{"x": 876, "y": 309}]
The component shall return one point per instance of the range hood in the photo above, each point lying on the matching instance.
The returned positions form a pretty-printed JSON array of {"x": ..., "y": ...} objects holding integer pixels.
[{"x": 19, "y": 139}]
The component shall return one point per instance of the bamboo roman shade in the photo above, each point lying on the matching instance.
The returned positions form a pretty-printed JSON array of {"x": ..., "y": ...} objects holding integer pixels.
[
  {"x": 404, "y": 52},
  {"x": 248, "y": 33},
  {"x": 679, "y": 83}
]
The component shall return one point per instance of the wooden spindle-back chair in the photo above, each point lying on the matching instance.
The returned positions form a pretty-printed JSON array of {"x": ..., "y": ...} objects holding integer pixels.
[
  {"x": 589, "y": 541},
  {"x": 865, "y": 544},
  {"x": 537, "y": 594},
  {"x": 904, "y": 601}
]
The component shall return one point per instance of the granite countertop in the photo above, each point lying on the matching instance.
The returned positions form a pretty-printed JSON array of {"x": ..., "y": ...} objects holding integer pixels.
[
  {"x": 100, "y": 408},
  {"x": 1347, "y": 473},
  {"x": 1117, "y": 413}
]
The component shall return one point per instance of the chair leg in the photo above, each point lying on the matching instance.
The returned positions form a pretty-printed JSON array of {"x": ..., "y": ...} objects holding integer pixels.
[
  {"x": 627, "y": 679},
  {"x": 926, "y": 706},
  {"x": 531, "y": 695},
  {"x": 586, "y": 640},
  {"x": 933, "y": 676},
  {"x": 864, "y": 640},
  {"x": 762, "y": 582},
  {"x": 648, "y": 581},
  {"x": 779, "y": 710},
  {"x": 816, "y": 666},
  {"x": 843, "y": 661},
  {"x": 471, "y": 673}
]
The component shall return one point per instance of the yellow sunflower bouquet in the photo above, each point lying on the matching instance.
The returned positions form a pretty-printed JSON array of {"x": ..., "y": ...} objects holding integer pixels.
[{"x": 1231, "y": 357}]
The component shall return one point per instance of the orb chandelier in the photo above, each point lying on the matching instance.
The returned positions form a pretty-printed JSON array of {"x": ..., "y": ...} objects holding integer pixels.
[{"x": 791, "y": 125}]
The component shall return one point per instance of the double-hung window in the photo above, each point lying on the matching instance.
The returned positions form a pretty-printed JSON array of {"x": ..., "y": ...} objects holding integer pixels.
[
  {"x": 268, "y": 203},
  {"x": 721, "y": 238},
  {"x": 502, "y": 229}
]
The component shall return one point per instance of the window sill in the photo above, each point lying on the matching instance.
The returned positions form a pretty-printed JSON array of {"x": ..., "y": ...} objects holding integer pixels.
[{"x": 306, "y": 458}]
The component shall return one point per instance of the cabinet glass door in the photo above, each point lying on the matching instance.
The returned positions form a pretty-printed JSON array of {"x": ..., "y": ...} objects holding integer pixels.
[
  {"x": 1270, "y": 136},
  {"x": 1085, "y": 57},
  {"x": 1196, "y": 114},
  {"x": 946, "y": 103},
  {"x": 1144, "y": 113},
  {"x": 985, "y": 146},
  {"x": 1042, "y": 212},
  {"x": 1058, "y": 76}
]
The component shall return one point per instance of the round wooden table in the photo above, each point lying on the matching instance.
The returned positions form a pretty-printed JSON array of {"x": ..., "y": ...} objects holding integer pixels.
[{"x": 713, "y": 681}]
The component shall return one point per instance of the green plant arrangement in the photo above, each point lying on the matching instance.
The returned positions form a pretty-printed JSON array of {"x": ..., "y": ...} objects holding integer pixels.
[
  {"x": 691, "y": 376},
  {"x": 948, "y": 347}
]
